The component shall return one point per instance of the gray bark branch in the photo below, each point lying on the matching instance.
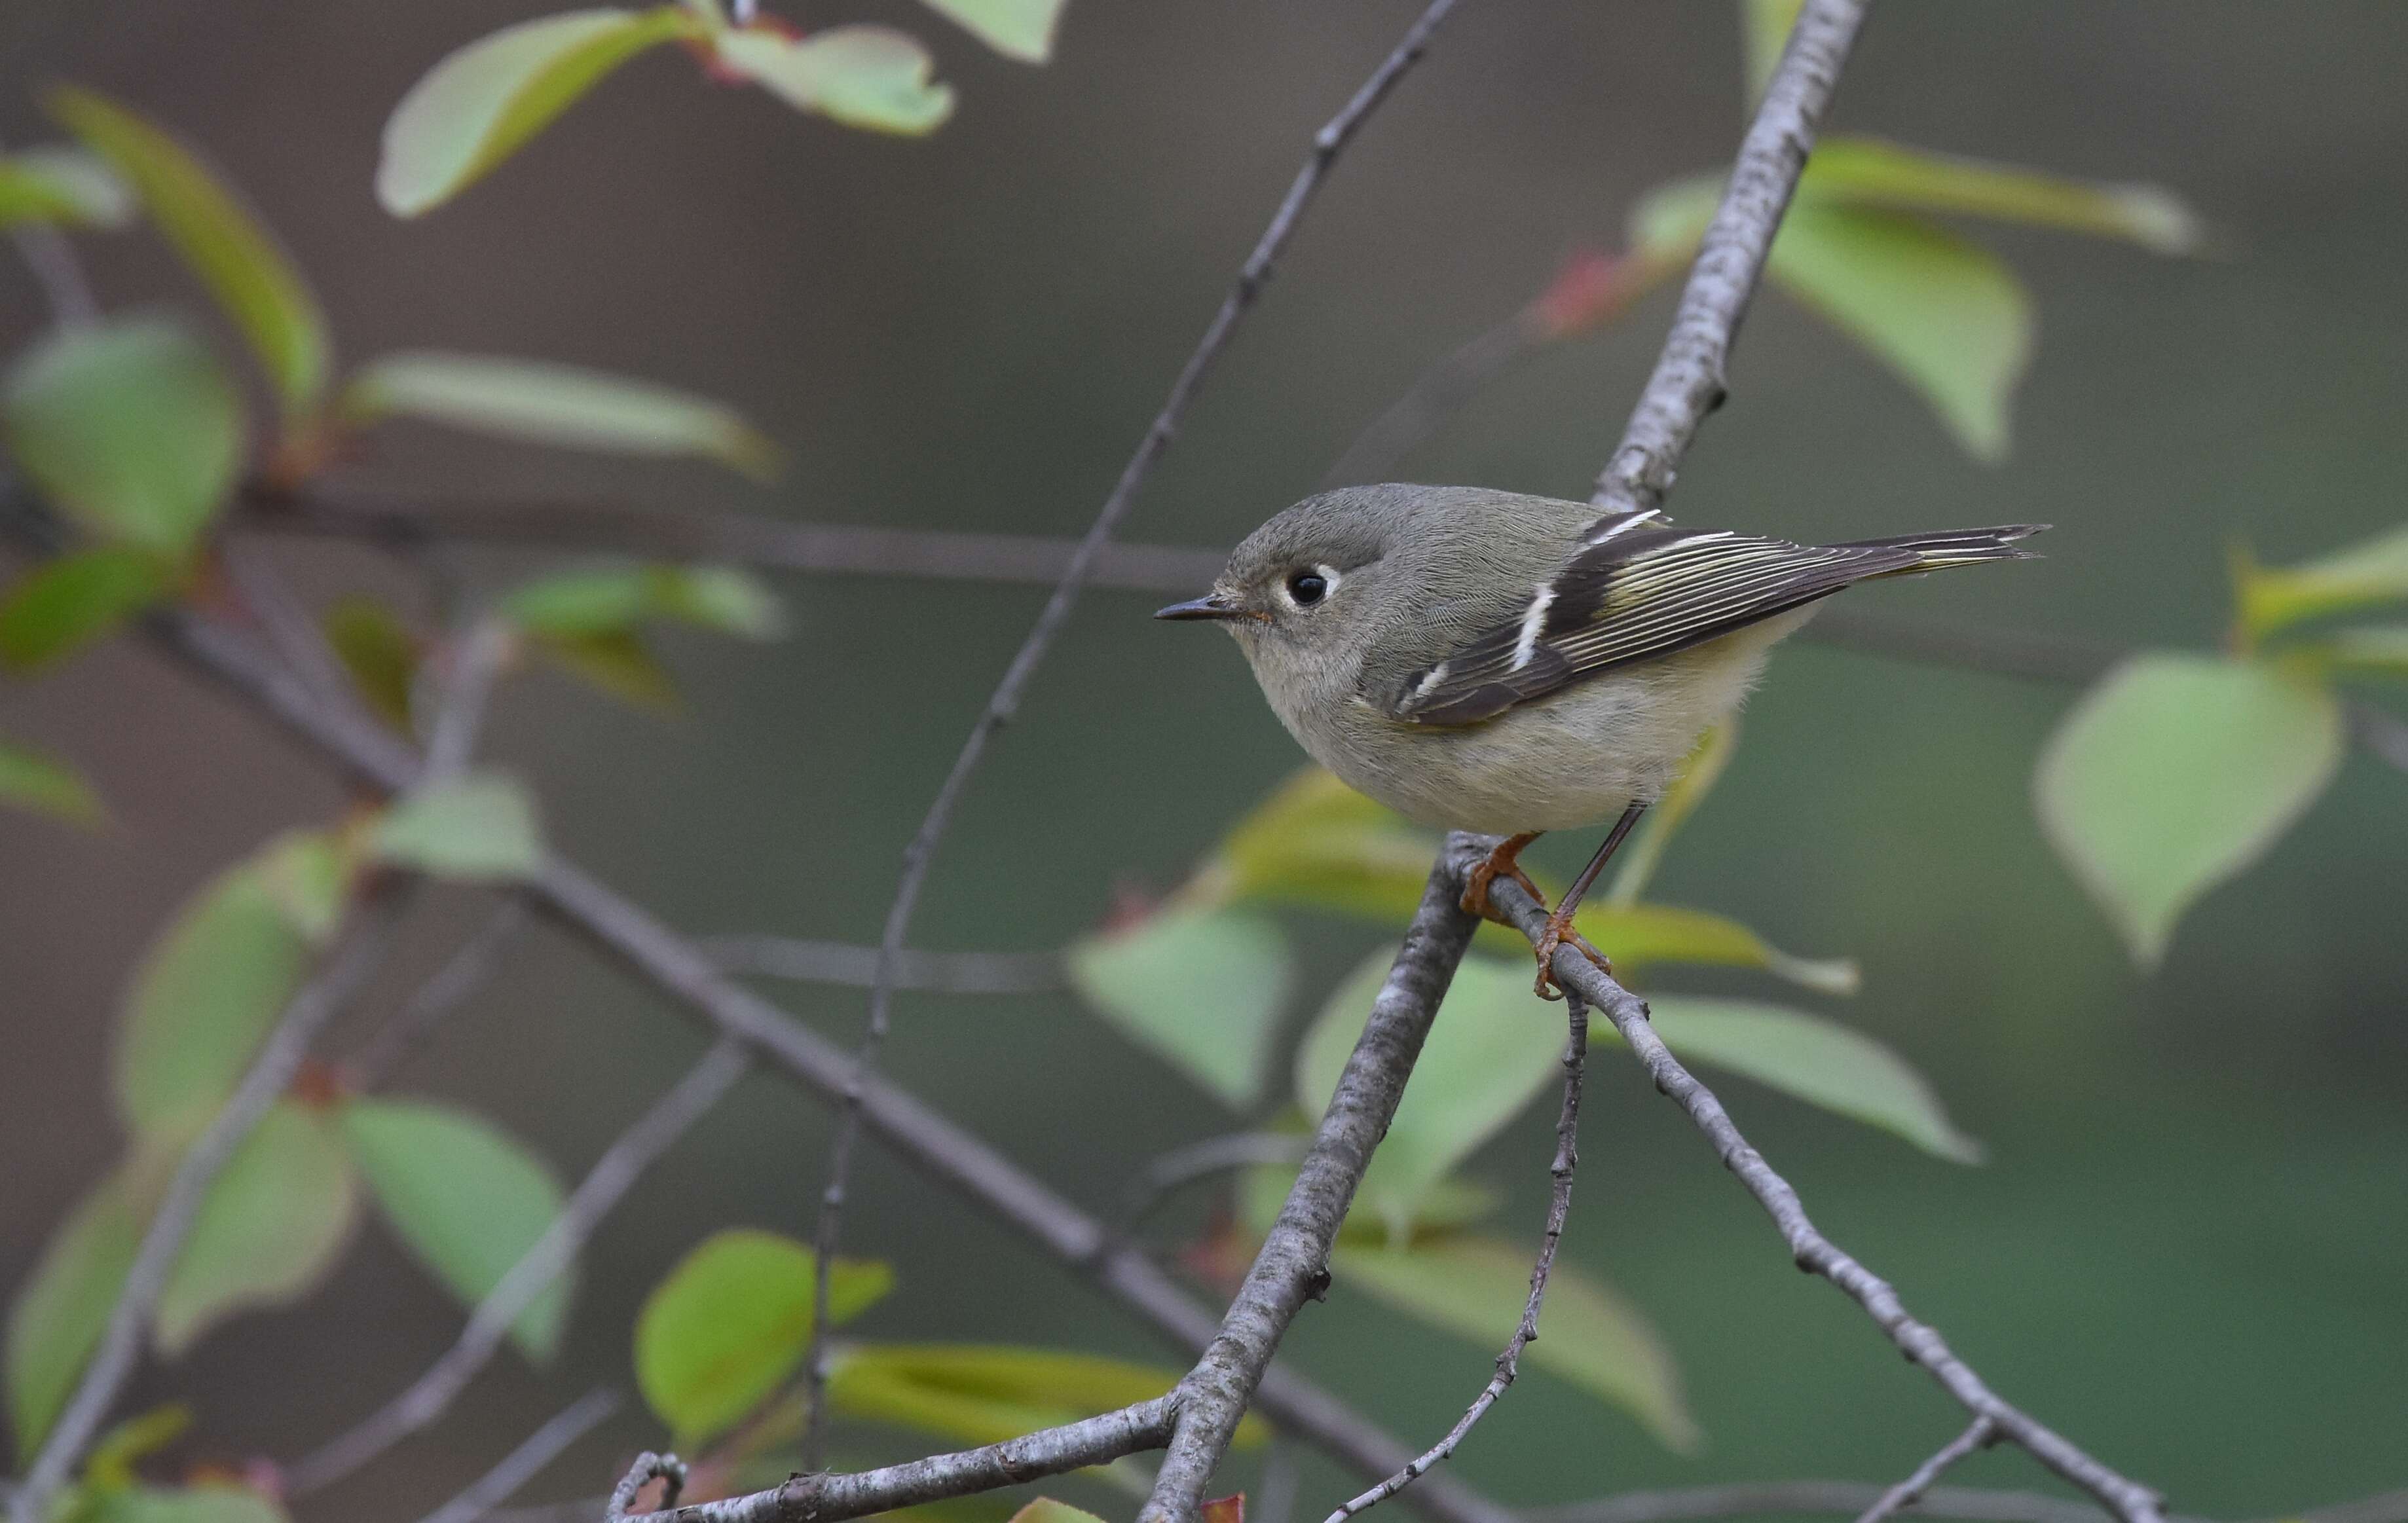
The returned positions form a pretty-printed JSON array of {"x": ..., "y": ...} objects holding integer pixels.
[{"x": 525, "y": 1462}]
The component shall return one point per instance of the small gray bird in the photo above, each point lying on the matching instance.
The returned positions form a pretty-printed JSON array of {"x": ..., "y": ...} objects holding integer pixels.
[{"x": 1484, "y": 660}]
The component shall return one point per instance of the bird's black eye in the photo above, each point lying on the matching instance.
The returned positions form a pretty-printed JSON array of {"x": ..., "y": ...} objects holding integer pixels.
[{"x": 1306, "y": 587}]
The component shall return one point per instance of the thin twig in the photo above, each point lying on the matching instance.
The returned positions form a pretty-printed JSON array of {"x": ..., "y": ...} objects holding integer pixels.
[
  {"x": 525, "y": 1462},
  {"x": 291, "y": 631},
  {"x": 476, "y": 657},
  {"x": 1815, "y": 1253},
  {"x": 1750, "y": 1499},
  {"x": 1559, "y": 1205},
  {"x": 1203, "y": 1160},
  {"x": 1978, "y": 1434},
  {"x": 668, "y": 1468},
  {"x": 845, "y": 962},
  {"x": 917, "y": 857},
  {"x": 360, "y": 947},
  {"x": 622, "y": 1163},
  {"x": 408, "y": 1030}
]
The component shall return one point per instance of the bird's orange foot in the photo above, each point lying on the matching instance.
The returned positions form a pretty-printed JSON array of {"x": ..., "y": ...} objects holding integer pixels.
[
  {"x": 1499, "y": 863},
  {"x": 1559, "y": 932}
]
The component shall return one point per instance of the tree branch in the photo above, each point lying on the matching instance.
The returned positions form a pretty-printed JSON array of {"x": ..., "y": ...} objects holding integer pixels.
[
  {"x": 842, "y": 962},
  {"x": 408, "y": 1030},
  {"x": 359, "y": 950},
  {"x": 1978, "y": 1434},
  {"x": 917, "y": 857},
  {"x": 525, "y": 1462},
  {"x": 1815, "y": 1253}
]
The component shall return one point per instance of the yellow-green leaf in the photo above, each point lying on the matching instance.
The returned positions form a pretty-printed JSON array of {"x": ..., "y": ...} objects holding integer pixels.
[
  {"x": 379, "y": 651},
  {"x": 43, "y": 785},
  {"x": 1046, "y": 1510},
  {"x": 1871, "y": 172},
  {"x": 1764, "y": 31},
  {"x": 612, "y": 597},
  {"x": 56, "y": 1320},
  {"x": 557, "y": 405},
  {"x": 2363, "y": 575},
  {"x": 233, "y": 255},
  {"x": 1202, "y": 988},
  {"x": 2176, "y": 772},
  {"x": 618, "y": 662},
  {"x": 115, "y": 1453},
  {"x": 979, "y": 1394},
  {"x": 62, "y": 606},
  {"x": 205, "y": 1502},
  {"x": 1022, "y": 29},
  {"x": 1946, "y": 315},
  {"x": 128, "y": 426},
  {"x": 477, "y": 828},
  {"x": 270, "y": 1229},
  {"x": 478, "y": 105},
  {"x": 466, "y": 1200},
  {"x": 731, "y": 1321},
  {"x": 2373, "y": 649},
  {"x": 870, "y": 77},
  {"x": 63, "y": 186}
]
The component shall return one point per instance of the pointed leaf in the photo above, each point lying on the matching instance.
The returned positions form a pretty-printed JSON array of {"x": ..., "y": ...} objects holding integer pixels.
[
  {"x": 1946, "y": 315},
  {"x": 115, "y": 1453},
  {"x": 1816, "y": 1061},
  {"x": 1476, "y": 1287},
  {"x": 269, "y": 1228},
  {"x": 1764, "y": 31},
  {"x": 726, "y": 1327},
  {"x": 618, "y": 662},
  {"x": 1202, "y": 988},
  {"x": 465, "y": 1198},
  {"x": 65, "y": 604},
  {"x": 33, "y": 781},
  {"x": 129, "y": 427},
  {"x": 1640, "y": 936},
  {"x": 379, "y": 651},
  {"x": 62, "y": 186},
  {"x": 2173, "y": 774},
  {"x": 870, "y": 76},
  {"x": 559, "y": 405},
  {"x": 2362, "y": 576},
  {"x": 233, "y": 255},
  {"x": 981, "y": 1394},
  {"x": 477, "y": 828},
  {"x": 1870, "y": 172},
  {"x": 478, "y": 105},
  {"x": 204, "y": 1503},
  {"x": 615, "y": 598},
  {"x": 58, "y": 1313},
  {"x": 1022, "y": 29}
]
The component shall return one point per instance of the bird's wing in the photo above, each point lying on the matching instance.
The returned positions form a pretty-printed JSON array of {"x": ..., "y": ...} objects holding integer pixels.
[{"x": 1635, "y": 587}]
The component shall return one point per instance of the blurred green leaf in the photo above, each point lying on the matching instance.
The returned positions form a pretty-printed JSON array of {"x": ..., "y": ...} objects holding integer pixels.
[
  {"x": 1476, "y": 1287},
  {"x": 731, "y": 1321},
  {"x": 65, "y": 604},
  {"x": 1871, "y": 172},
  {"x": 1201, "y": 989},
  {"x": 612, "y": 598},
  {"x": 1046, "y": 1510},
  {"x": 2173, "y": 774},
  {"x": 872, "y": 77},
  {"x": 618, "y": 662},
  {"x": 60, "y": 185},
  {"x": 1640, "y": 936},
  {"x": 1946, "y": 315},
  {"x": 233, "y": 255},
  {"x": 269, "y": 1228},
  {"x": 1667, "y": 222},
  {"x": 1764, "y": 31},
  {"x": 308, "y": 874},
  {"x": 979, "y": 1394},
  {"x": 129, "y": 427},
  {"x": 1810, "y": 1059},
  {"x": 2364, "y": 576},
  {"x": 1491, "y": 1049},
  {"x": 114, "y": 1455},
  {"x": 33, "y": 781},
  {"x": 2371, "y": 650},
  {"x": 466, "y": 1199},
  {"x": 1698, "y": 774},
  {"x": 1022, "y": 29},
  {"x": 203, "y": 1503},
  {"x": 1445, "y": 1206},
  {"x": 557, "y": 405},
  {"x": 60, "y": 1311},
  {"x": 478, "y": 105},
  {"x": 379, "y": 651},
  {"x": 480, "y": 827},
  {"x": 207, "y": 992}
]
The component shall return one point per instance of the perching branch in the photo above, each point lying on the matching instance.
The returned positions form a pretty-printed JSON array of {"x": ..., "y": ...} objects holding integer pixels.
[
  {"x": 651, "y": 1135},
  {"x": 1815, "y": 1253},
  {"x": 668, "y": 1468},
  {"x": 917, "y": 857},
  {"x": 1978, "y": 1434},
  {"x": 524, "y": 1463},
  {"x": 360, "y": 948}
]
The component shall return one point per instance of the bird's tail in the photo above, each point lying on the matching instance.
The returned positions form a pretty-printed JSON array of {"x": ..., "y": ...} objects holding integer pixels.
[{"x": 1958, "y": 547}]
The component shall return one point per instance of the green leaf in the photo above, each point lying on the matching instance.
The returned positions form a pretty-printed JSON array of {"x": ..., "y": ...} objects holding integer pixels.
[
  {"x": 1698, "y": 775},
  {"x": 379, "y": 651},
  {"x": 872, "y": 77},
  {"x": 36, "y": 782},
  {"x": 129, "y": 427},
  {"x": 613, "y": 598},
  {"x": 65, "y": 604},
  {"x": 478, "y": 105},
  {"x": 1641, "y": 936},
  {"x": 62, "y": 186},
  {"x": 467, "y": 1201},
  {"x": 731, "y": 1322},
  {"x": 478, "y": 828},
  {"x": 1870, "y": 172},
  {"x": 2371, "y": 650},
  {"x": 204, "y": 1503},
  {"x": 557, "y": 405},
  {"x": 1946, "y": 315},
  {"x": 233, "y": 255},
  {"x": 2363, "y": 575},
  {"x": 2173, "y": 774},
  {"x": 1201, "y": 989},
  {"x": 58, "y": 1313},
  {"x": 1816, "y": 1061},
  {"x": 114, "y": 1455},
  {"x": 981, "y": 1394},
  {"x": 1022, "y": 29},
  {"x": 1450, "y": 1205},
  {"x": 269, "y": 1228},
  {"x": 1491, "y": 1049},
  {"x": 1764, "y": 31},
  {"x": 209, "y": 988},
  {"x": 1476, "y": 1287},
  {"x": 618, "y": 662},
  {"x": 1046, "y": 1510}
]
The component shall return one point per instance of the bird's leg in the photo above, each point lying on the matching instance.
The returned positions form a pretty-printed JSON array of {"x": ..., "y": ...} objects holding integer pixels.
[
  {"x": 1500, "y": 864},
  {"x": 1559, "y": 924}
]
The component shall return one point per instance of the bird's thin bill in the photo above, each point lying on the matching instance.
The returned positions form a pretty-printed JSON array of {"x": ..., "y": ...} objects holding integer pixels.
[{"x": 1210, "y": 606}]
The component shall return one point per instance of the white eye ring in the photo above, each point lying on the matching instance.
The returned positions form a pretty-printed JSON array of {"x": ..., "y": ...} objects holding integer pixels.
[{"x": 1326, "y": 575}]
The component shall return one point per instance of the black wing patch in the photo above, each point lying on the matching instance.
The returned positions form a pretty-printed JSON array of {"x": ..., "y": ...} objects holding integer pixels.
[{"x": 1634, "y": 589}]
